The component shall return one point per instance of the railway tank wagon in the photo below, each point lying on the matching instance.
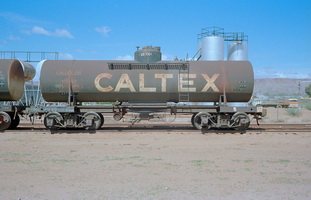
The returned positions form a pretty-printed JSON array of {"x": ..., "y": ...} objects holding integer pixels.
[{"x": 148, "y": 88}]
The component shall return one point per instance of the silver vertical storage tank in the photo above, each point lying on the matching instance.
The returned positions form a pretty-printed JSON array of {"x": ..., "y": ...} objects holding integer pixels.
[
  {"x": 212, "y": 48},
  {"x": 237, "y": 51}
]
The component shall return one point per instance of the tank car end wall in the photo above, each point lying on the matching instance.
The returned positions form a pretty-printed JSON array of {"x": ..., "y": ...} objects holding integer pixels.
[{"x": 11, "y": 80}]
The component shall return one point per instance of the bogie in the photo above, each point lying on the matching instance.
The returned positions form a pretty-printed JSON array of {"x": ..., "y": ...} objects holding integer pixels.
[
  {"x": 204, "y": 120},
  {"x": 89, "y": 120}
]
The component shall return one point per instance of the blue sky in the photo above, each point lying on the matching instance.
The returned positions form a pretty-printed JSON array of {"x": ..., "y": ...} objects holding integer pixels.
[{"x": 279, "y": 30}]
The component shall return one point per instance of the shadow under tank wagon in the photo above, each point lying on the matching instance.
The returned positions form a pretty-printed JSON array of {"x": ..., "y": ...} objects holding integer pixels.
[{"x": 202, "y": 89}]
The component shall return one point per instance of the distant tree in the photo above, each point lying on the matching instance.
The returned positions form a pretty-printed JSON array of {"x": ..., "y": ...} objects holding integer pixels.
[{"x": 308, "y": 90}]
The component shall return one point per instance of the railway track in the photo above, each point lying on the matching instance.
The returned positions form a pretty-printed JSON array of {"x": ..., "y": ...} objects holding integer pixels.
[
  {"x": 282, "y": 128},
  {"x": 174, "y": 128}
]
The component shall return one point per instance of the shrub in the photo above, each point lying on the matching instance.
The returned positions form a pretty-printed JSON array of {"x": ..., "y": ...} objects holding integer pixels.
[
  {"x": 307, "y": 105},
  {"x": 308, "y": 90},
  {"x": 293, "y": 112}
]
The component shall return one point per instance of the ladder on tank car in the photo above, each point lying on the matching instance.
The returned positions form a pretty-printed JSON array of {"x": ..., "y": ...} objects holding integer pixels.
[{"x": 184, "y": 95}]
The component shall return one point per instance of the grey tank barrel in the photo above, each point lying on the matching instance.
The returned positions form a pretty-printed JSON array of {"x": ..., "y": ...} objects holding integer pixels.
[
  {"x": 11, "y": 80},
  {"x": 131, "y": 81}
]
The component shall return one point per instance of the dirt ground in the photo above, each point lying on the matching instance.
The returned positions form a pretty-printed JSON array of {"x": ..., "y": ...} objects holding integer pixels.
[{"x": 155, "y": 165}]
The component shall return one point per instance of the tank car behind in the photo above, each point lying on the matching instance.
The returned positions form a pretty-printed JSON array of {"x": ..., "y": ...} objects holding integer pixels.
[{"x": 13, "y": 74}]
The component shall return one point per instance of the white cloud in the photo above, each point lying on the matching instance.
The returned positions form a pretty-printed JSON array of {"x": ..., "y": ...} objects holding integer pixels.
[
  {"x": 42, "y": 31},
  {"x": 79, "y": 50},
  {"x": 17, "y": 18},
  {"x": 11, "y": 37},
  {"x": 104, "y": 30},
  {"x": 167, "y": 57},
  {"x": 26, "y": 32},
  {"x": 3, "y": 41},
  {"x": 65, "y": 56},
  {"x": 93, "y": 52},
  {"x": 127, "y": 57},
  {"x": 62, "y": 33}
]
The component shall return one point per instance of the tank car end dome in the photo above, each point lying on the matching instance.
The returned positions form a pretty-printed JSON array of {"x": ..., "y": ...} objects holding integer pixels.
[
  {"x": 11, "y": 80},
  {"x": 29, "y": 71}
]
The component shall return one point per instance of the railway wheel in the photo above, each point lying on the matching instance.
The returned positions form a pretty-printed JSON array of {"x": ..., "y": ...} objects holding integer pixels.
[
  {"x": 202, "y": 120},
  {"x": 92, "y": 120},
  {"x": 52, "y": 120},
  {"x": 192, "y": 119},
  {"x": 14, "y": 121},
  {"x": 102, "y": 119},
  {"x": 5, "y": 121},
  {"x": 240, "y": 121}
]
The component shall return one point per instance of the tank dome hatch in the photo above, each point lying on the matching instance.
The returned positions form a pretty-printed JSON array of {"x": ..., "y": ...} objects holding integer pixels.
[{"x": 148, "y": 54}]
